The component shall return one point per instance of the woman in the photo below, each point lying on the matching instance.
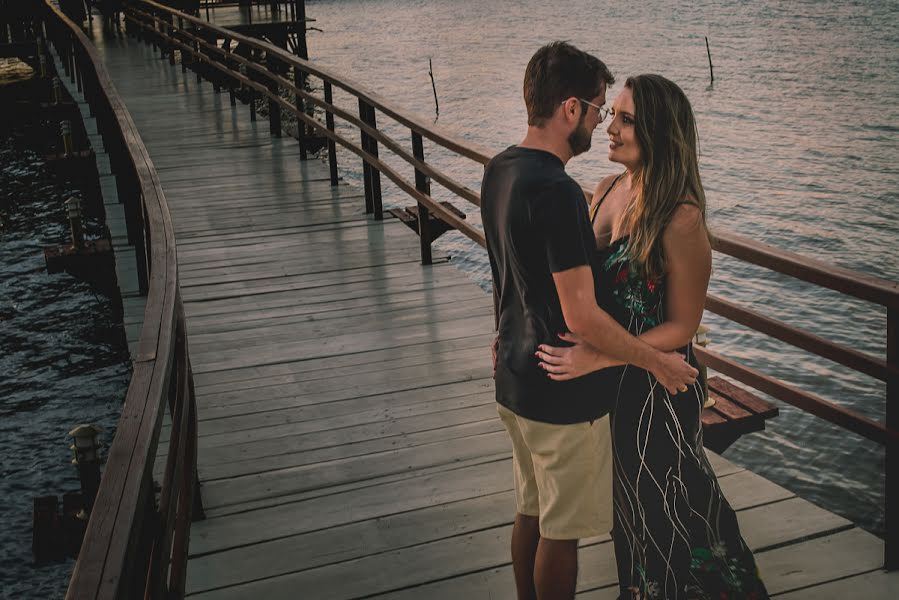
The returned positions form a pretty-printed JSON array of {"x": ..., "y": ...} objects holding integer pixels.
[{"x": 675, "y": 535}]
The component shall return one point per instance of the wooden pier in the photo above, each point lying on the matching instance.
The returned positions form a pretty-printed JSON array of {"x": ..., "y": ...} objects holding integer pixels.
[{"x": 348, "y": 445}]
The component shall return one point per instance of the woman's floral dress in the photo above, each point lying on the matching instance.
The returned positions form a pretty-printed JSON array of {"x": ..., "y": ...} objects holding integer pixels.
[{"x": 675, "y": 535}]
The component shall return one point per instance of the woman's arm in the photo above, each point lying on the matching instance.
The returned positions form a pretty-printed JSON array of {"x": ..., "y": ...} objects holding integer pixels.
[
  {"x": 689, "y": 258},
  {"x": 689, "y": 261}
]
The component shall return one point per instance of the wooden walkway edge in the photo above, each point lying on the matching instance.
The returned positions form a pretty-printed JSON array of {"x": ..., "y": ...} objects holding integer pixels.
[{"x": 349, "y": 445}]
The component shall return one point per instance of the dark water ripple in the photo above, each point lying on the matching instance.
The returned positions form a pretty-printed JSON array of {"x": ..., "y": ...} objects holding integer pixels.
[
  {"x": 799, "y": 150},
  {"x": 63, "y": 361}
]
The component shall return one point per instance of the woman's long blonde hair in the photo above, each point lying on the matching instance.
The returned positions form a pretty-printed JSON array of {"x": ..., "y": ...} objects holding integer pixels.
[{"x": 669, "y": 174}]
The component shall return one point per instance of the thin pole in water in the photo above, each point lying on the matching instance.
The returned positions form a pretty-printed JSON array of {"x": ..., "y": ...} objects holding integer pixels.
[
  {"x": 433, "y": 87},
  {"x": 709, "y": 52}
]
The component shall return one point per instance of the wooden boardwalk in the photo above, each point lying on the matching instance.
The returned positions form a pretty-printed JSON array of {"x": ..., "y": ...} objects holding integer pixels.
[{"x": 349, "y": 445}]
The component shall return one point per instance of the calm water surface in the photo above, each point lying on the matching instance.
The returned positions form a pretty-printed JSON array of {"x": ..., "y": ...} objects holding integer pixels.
[{"x": 799, "y": 150}]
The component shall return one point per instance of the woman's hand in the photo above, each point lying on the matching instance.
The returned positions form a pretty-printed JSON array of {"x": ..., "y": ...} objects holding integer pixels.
[{"x": 564, "y": 363}]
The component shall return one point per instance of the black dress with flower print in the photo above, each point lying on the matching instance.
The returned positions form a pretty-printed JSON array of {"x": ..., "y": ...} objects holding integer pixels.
[{"x": 675, "y": 535}]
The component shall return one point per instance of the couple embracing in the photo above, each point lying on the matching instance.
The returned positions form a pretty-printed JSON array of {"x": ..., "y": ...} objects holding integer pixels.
[{"x": 596, "y": 306}]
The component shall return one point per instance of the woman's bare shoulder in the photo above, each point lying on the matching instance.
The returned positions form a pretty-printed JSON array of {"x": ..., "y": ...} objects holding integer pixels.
[
  {"x": 687, "y": 217},
  {"x": 604, "y": 183}
]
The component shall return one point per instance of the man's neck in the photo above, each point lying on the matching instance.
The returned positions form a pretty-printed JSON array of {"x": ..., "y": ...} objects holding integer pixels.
[{"x": 538, "y": 138}]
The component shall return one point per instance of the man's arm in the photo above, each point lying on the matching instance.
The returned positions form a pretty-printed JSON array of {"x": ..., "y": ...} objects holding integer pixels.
[{"x": 586, "y": 320}]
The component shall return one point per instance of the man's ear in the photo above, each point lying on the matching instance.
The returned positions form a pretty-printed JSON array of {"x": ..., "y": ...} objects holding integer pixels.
[{"x": 570, "y": 109}]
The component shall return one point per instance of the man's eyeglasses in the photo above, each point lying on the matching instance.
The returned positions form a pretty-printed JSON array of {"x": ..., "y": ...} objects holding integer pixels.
[{"x": 603, "y": 112}]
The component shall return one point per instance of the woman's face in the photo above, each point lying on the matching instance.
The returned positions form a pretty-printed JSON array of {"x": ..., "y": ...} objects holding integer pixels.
[{"x": 623, "y": 146}]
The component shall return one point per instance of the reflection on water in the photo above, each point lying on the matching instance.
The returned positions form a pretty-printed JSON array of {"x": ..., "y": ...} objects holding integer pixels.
[
  {"x": 799, "y": 150},
  {"x": 63, "y": 361}
]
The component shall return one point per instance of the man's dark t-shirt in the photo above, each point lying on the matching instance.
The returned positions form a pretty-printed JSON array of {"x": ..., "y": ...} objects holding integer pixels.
[{"x": 536, "y": 224}]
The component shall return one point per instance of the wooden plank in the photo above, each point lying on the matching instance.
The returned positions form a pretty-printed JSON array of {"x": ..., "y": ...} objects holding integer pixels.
[
  {"x": 843, "y": 554},
  {"x": 349, "y": 541},
  {"x": 297, "y": 420},
  {"x": 730, "y": 411},
  {"x": 352, "y": 412},
  {"x": 286, "y": 372},
  {"x": 597, "y": 577},
  {"x": 321, "y": 452},
  {"x": 875, "y": 585},
  {"x": 271, "y": 332},
  {"x": 255, "y": 293},
  {"x": 320, "y": 390},
  {"x": 472, "y": 352},
  {"x": 290, "y": 480},
  {"x": 340, "y": 344},
  {"x": 468, "y": 299},
  {"x": 465, "y": 554},
  {"x": 215, "y": 410},
  {"x": 743, "y": 397},
  {"x": 236, "y": 509},
  {"x": 342, "y": 400},
  {"x": 379, "y": 498},
  {"x": 316, "y": 510}
]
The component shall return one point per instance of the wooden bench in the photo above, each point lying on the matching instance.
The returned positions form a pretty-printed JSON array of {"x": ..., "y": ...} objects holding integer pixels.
[
  {"x": 734, "y": 413},
  {"x": 438, "y": 227}
]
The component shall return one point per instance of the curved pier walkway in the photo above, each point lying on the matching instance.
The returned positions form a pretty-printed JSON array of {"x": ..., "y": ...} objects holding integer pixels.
[{"x": 349, "y": 445}]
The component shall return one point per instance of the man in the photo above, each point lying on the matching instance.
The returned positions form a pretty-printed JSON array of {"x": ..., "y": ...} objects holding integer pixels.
[{"x": 541, "y": 247}]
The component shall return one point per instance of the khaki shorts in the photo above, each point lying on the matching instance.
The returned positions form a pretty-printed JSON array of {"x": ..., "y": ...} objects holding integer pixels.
[{"x": 563, "y": 475}]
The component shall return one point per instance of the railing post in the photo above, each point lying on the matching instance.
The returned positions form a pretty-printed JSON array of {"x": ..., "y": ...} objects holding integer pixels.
[
  {"x": 195, "y": 59},
  {"x": 366, "y": 169},
  {"x": 181, "y": 50},
  {"x": 299, "y": 81},
  {"x": 70, "y": 58},
  {"x": 332, "y": 147},
  {"x": 251, "y": 91},
  {"x": 151, "y": 30},
  {"x": 231, "y": 64},
  {"x": 171, "y": 35},
  {"x": 212, "y": 57},
  {"x": 300, "y": 11},
  {"x": 891, "y": 463},
  {"x": 274, "y": 108},
  {"x": 370, "y": 174},
  {"x": 423, "y": 185},
  {"x": 130, "y": 195},
  {"x": 79, "y": 73}
]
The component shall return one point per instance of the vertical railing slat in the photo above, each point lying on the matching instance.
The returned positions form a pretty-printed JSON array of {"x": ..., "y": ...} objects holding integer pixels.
[
  {"x": 423, "y": 185},
  {"x": 274, "y": 108},
  {"x": 299, "y": 81},
  {"x": 371, "y": 176},
  {"x": 366, "y": 168},
  {"x": 329, "y": 123}
]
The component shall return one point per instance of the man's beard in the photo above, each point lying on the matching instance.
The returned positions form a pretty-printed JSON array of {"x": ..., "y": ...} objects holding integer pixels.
[{"x": 580, "y": 139}]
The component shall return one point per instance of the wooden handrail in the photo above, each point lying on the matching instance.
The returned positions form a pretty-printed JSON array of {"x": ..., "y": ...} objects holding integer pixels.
[
  {"x": 851, "y": 283},
  {"x": 437, "y": 175},
  {"x": 436, "y": 134},
  {"x": 808, "y": 402},
  {"x": 468, "y": 230},
  {"x": 872, "y": 289},
  {"x": 858, "y": 361},
  {"x": 114, "y": 561}
]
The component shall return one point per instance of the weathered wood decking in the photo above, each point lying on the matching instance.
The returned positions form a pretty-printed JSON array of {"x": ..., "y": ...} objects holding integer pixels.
[{"x": 349, "y": 446}]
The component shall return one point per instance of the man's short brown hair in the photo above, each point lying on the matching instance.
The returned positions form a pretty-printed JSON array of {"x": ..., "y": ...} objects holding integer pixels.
[{"x": 558, "y": 71}]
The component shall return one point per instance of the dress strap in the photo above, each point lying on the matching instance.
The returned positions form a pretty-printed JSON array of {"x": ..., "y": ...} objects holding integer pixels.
[{"x": 595, "y": 208}]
